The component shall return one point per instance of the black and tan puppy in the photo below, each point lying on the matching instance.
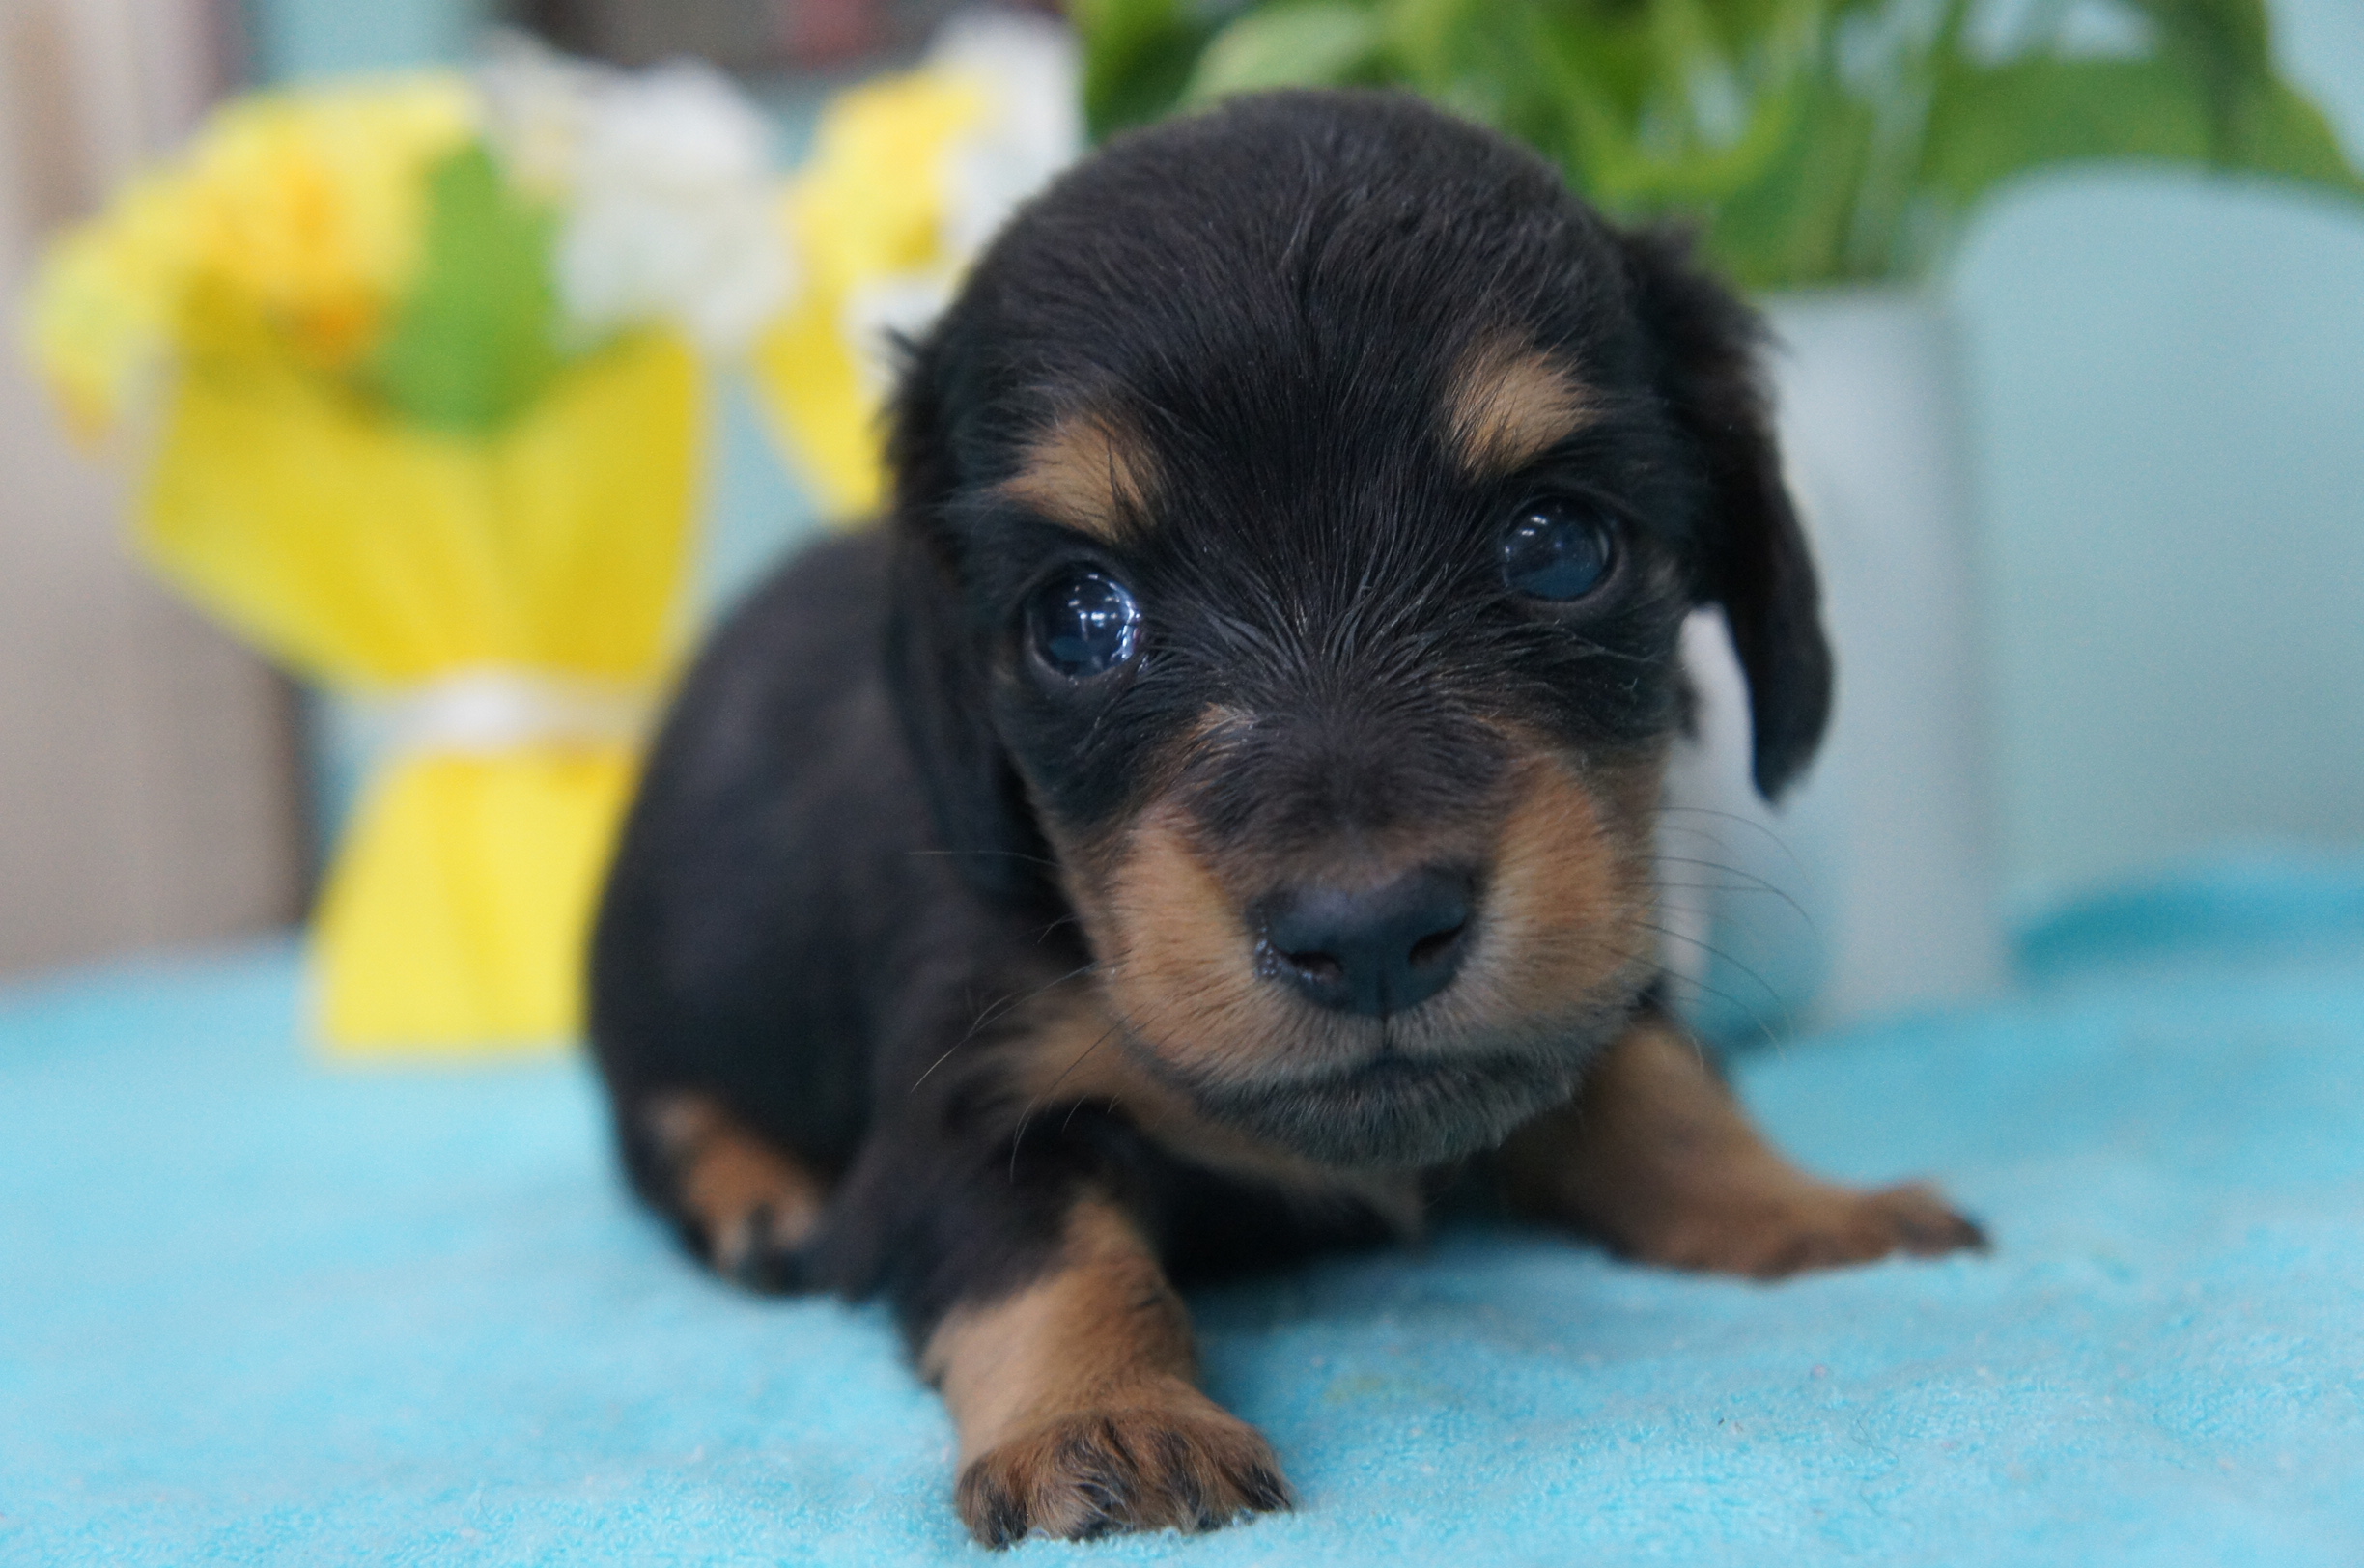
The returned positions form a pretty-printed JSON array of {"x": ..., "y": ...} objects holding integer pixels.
[{"x": 1218, "y": 805}]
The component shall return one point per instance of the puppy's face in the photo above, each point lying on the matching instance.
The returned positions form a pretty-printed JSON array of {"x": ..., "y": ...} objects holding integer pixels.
[{"x": 1300, "y": 509}]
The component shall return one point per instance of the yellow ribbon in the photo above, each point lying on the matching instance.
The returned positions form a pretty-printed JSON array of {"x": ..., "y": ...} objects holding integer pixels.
[{"x": 515, "y": 599}]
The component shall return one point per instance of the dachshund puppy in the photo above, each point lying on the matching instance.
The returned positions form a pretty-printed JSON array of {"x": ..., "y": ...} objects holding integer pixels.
[{"x": 1216, "y": 808}]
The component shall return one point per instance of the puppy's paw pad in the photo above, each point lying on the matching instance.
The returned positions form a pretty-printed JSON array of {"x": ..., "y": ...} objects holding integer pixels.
[
  {"x": 1096, "y": 1472},
  {"x": 1822, "y": 1228},
  {"x": 763, "y": 1250}
]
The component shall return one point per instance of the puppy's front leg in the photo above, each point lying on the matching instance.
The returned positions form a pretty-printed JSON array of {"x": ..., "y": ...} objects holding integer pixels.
[
  {"x": 1078, "y": 1406},
  {"x": 1656, "y": 1157}
]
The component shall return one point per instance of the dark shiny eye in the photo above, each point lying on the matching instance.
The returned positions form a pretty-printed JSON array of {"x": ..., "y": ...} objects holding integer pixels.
[
  {"x": 1557, "y": 550},
  {"x": 1083, "y": 624}
]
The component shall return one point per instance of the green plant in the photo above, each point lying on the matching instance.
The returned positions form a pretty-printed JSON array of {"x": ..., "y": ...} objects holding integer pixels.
[{"x": 1813, "y": 141}]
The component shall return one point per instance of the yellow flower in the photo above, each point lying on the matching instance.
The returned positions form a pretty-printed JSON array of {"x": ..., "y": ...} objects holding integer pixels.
[
  {"x": 867, "y": 216},
  {"x": 908, "y": 178},
  {"x": 309, "y": 207},
  {"x": 103, "y": 305},
  {"x": 297, "y": 218},
  {"x": 872, "y": 202}
]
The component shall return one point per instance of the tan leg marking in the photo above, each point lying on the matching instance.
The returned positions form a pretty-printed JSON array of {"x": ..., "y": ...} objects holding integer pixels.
[
  {"x": 1656, "y": 1157},
  {"x": 749, "y": 1200},
  {"x": 1078, "y": 1405}
]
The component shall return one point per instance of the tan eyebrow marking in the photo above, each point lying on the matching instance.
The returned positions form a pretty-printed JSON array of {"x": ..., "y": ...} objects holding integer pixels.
[
  {"x": 1509, "y": 405},
  {"x": 1091, "y": 471}
]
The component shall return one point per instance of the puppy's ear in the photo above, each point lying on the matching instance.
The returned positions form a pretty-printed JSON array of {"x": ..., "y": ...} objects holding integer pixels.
[
  {"x": 937, "y": 659},
  {"x": 1753, "y": 558}
]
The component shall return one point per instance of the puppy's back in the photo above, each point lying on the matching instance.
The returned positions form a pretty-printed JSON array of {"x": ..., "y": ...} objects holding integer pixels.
[{"x": 728, "y": 956}]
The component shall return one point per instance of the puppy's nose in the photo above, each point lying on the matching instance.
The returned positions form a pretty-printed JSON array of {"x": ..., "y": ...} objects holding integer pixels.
[{"x": 1375, "y": 951}]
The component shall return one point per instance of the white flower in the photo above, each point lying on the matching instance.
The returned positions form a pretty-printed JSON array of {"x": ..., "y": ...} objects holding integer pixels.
[
  {"x": 1025, "y": 69},
  {"x": 1028, "y": 67},
  {"x": 673, "y": 215},
  {"x": 669, "y": 211},
  {"x": 880, "y": 311},
  {"x": 912, "y": 177},
  {"x": 536, "y": 105}
]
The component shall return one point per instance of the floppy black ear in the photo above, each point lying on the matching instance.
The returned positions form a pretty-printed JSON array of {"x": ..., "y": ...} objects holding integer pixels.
[
  {"x": 1753, "y": 558},
  {"x": 937, "y": 659}
]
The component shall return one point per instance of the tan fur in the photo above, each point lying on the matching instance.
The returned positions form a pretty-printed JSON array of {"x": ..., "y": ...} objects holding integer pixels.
[
  {"x": 1077, "y": 1404},
  {"x": 1564, "y": 938},
  {"x": 1571, "y": 891},
  {"x": 745, "y": 1192},
  {"x": 1090, "y": 472},
  {"x": 1656, "y": 1157},
  {"x": 1509, "y": 405},
  {"x": 1179, "y": 958}
]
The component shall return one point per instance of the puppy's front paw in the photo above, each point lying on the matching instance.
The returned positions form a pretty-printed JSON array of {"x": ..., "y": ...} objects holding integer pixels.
[
  {"x": 1094, "y": 1472},
  {"x": 1816, "y": 1227}
]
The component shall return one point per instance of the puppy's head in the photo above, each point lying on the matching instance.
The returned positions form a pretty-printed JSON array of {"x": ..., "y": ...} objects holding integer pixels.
[{"x": 1297, "y": 512}]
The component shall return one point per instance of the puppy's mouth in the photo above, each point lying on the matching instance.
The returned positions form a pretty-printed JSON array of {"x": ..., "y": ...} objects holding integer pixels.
[{"x": 1394, "y": 1108}]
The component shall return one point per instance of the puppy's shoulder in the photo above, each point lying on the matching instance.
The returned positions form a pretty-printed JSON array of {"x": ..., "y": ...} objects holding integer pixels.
[
  {"x": 788, "y": 680},
  {"x": 812, "y": 628},
  {"x": 778, "y": 783}
]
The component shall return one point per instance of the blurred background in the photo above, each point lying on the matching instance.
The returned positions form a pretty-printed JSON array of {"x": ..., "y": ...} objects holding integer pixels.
[{"x": 2162, "y": 412}]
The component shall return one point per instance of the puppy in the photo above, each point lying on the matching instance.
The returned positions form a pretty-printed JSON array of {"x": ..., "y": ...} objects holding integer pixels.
[{"x": 1216, "y": 809}]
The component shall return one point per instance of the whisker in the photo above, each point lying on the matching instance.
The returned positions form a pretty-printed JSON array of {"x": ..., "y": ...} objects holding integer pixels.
[
  {"x": 1044, "y": 935},
  {"x": 1708, "y": 887},
  {"x": 1751, "y": 823},
  {"x": 1787, "y": 1018},
  {"x": 1032, "y": 1106},
  {"x": 992, "y": 1012},
  {"x": 1006, "y": 855},
  {"x": 1714, "y": 840},
  {"x": 1749, "y": 1009},
  {"x": 1017, "y": 1137},
  {"x": 1734, "y": 871}
]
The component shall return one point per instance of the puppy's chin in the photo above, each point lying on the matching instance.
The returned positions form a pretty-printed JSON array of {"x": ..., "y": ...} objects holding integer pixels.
[{"x": 1397, "y": 1110}]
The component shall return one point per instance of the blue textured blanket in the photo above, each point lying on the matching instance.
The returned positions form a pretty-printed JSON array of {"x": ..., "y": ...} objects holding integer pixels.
[{"x": 254, "y": 1309}]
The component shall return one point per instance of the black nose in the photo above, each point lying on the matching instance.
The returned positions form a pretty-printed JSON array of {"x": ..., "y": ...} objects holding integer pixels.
[{"x": 1375, "y": 951}]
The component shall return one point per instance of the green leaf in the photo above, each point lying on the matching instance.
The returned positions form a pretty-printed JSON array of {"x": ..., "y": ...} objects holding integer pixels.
[
  {"x": 2227, "y": 38},
  {"x": 476, "y": 340},
  {"x": 1707, "y": 126},
  {"x": 1994, "y": 123},
  {"x": 1430, "y": 39},
  {"x": 1138, "y": 57},
  {"x": 2288, "y": 136},
  {"x": 1791, "y": 225},
  {"x": 1815, "y": 140},
  {"x": 1309, "y": 43}
]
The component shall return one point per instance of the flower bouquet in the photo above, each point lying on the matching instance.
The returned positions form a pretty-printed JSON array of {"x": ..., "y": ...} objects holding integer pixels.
[{"x": 412, "y": 372}]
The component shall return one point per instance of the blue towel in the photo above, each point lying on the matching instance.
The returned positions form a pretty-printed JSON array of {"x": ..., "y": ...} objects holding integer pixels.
[{"x": 255, "y": 1308}]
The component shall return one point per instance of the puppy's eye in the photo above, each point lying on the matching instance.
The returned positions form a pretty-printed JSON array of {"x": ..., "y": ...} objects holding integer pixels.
[
  {"x": 1083, "y": 624},
  {"x": 1557, "y": 550}
]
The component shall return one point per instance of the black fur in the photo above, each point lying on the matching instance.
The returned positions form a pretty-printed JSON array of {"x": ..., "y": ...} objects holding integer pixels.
[{"x": 837, "y": 880}]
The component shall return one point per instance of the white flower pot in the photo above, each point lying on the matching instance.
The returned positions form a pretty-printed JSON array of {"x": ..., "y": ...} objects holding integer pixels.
[{"x": 1873, "y": 886}]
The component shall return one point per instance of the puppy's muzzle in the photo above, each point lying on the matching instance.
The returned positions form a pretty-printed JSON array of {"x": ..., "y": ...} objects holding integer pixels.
[{"x": 1374, "y": 951}]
